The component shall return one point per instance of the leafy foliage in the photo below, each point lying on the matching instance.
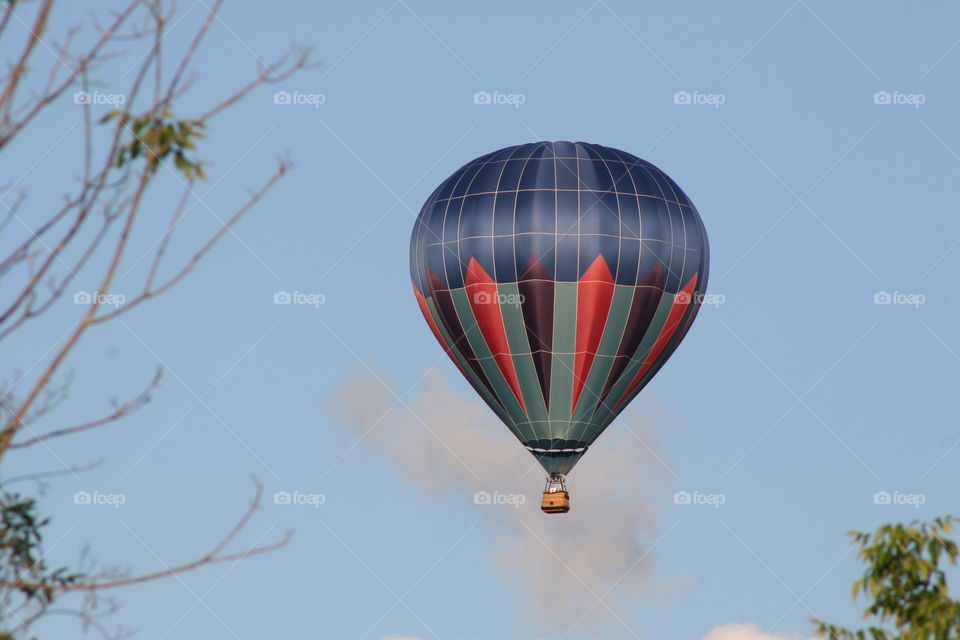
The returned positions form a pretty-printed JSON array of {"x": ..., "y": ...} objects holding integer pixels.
[
  {"x": 906, "y": 583},
  {"x": 157, "y": 138},
  {"x": 21, "y": 558}
]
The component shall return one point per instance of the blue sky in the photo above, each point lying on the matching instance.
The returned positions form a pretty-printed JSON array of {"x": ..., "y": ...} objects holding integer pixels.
[{"x": 820, "y": 144}]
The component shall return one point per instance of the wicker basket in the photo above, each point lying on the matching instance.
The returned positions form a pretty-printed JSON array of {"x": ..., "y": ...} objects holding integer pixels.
[{"x": 555, "y": 502}]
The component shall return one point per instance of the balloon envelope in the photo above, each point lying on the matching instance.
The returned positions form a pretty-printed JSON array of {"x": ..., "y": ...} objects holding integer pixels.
[{"x": 559, "y": 277}]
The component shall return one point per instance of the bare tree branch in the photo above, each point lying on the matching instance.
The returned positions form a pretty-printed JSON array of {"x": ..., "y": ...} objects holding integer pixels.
[
  {"x": 90, "y": 233},
  {"x": 40, "y": 477},
  {"x": 215, "y": 555},
  {"x": 120, "y": 411}
]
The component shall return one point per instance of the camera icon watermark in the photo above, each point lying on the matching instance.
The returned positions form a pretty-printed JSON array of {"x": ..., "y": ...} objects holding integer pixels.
[
  {"x": 499, "y": 98},
  {"x": 299, "y": 498},
  {"x": 299, "y": 298},
  {"x": 106, "y": 299},
  {"x": 99, "y": 98},
  {"x": 899, "y": 498},
  {"x": 497, "y": 498},
  {"x": 914, "y": 300},
  {"x": 699, "y": 498},
  {"x": 699, "y": 98},
  {"x": 96, "y": 498},
  {"x": 299, "y": 98},
  {"x": 899, "y": 98}
]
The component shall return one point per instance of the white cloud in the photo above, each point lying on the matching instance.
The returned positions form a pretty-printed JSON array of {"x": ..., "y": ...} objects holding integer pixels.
[
  {"x": 739, "y": 631},
  {"x": 450, "y": 445}
]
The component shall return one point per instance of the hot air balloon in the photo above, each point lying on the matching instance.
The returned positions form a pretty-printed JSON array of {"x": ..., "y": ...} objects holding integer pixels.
[{"x": 559, "y": 277}]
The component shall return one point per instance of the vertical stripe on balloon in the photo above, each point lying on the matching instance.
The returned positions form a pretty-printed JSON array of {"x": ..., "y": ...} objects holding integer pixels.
[
  {"x": 485, "y": 303},
  {"x": 680, "y": 306},
  {"x": 536, "y": 302},
  {"x": 425, "y": 310},
  {"x": 594, "y": 293},
  {"x": 646, "y": 297},
  {"x": 448, "y": 316}
]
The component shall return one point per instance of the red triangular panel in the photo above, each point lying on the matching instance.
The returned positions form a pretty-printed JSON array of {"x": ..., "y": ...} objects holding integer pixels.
[
  {"x": 643, "y": 308},
  {"x": 485, "y": 302},
  {"x": 680, "y": 305},
  {"x": 425, "y": 310},
  {"x": 594, "y": 294}
]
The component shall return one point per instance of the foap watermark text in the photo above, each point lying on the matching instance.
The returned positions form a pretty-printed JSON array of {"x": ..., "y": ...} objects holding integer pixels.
[
  {"x": 699, "y": 98},
  {"x": 300, "y": 298},
  {"x": 708, "y": 299},
  {"x": 497, "y": 498},
  {"x": 299, "y": 98},
  {"x": 899, "y": 98},
  {"x": 299, "y": 498},
  {"x": 106, "y": 299},
  {"x": 899, "y": 498},
  {"x": 499, "y": 98},
  {"x": 99, "y": 97},
  {"x": 699, "y": 498},
  {"x": 503, "y": 299},
  {"x": 98, "y": 498},
  {"x": 899, "y": 298}
]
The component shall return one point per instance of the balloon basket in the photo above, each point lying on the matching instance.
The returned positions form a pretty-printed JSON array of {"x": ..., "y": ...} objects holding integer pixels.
[
  {"x": 556, "y": 498},
  {"x": 555, "y": 502}
]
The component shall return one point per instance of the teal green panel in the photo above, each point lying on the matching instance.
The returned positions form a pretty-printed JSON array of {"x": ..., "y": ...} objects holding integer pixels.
[
  {"x": 561, "y": 367},
  {"x": 606, "y": 353},
  {"x": 655, "y": 368},
  {"x": 558, "y": 465},
  {"x": 471, "y": 376},
  {"x": 520, "y": 349},
  {"x": 636, "y": 361},
  {"x": 485, "y": 357}
]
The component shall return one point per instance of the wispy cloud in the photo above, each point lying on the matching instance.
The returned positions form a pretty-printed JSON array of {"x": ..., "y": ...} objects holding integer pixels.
[
  {"x": 574, "y": 567},
  {"x": 732, "y": 631},
  {"x": 749, "y": 631}
]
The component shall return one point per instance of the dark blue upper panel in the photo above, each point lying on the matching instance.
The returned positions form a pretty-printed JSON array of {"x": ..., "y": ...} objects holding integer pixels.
[{"x": 562, "y": 203}]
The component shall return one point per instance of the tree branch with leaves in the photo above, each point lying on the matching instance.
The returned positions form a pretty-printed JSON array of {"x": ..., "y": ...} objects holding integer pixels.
[
  {"x": 122, "y": 154},
  {"x": 906, "y": 584}
]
